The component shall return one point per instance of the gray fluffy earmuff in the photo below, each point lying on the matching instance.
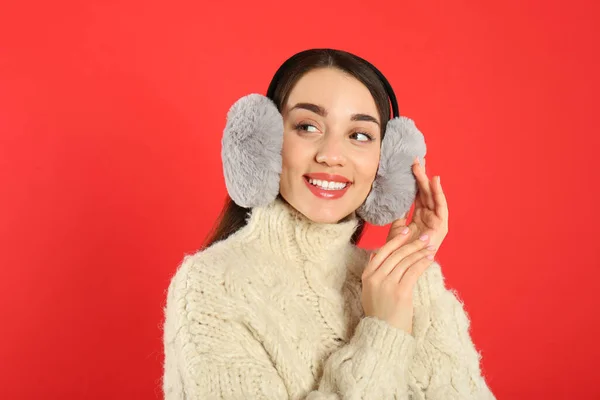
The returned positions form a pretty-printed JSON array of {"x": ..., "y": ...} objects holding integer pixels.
[
  {"x": 251, "y": 151},
  {"x": 251, "y": 154},
  {"x": 395, "y": 187}
]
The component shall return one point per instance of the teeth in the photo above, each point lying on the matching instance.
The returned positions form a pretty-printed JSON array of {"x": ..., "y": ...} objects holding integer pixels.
[{"x": 327, "y": 185}]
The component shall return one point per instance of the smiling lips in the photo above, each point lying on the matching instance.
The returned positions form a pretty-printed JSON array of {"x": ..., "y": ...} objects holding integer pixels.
[{"x": 327, "y": 186}]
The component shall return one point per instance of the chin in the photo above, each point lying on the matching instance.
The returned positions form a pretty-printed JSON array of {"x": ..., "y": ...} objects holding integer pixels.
[
  {"x": 323, "y": 218},
  {"x": 319, "y": 210},
  {"x": 326, "y": 215}
]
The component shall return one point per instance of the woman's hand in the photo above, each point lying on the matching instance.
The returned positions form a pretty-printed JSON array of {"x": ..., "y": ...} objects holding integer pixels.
[
  {"x": 389, "y": 278},
  {"x": 431, "y": 211}
]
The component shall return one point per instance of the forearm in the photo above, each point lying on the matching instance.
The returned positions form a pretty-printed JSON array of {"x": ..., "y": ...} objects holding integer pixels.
[
  {"x": 447, "y": 364},
  {"x": 374, "y": 365},
  {"x": 208, "y": 355}
]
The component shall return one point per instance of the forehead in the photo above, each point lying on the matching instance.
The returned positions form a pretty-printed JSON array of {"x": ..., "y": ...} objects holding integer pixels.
[{"x": 333, "y": 89}]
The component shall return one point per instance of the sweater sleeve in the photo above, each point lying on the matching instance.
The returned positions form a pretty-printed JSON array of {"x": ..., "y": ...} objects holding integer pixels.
[
  {"x": 373, "y": 365},
  {"x": 208, "y": 354},
  {"x": 446, "y": 364}
]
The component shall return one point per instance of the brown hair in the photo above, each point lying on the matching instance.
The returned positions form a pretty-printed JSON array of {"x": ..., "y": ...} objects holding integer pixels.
[{"x": 234, "y": 217}]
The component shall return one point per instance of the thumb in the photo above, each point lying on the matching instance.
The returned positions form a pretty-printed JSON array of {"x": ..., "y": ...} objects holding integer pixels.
[
  {"x": 400, "y": 221},
  {"x": 399, "y": 226}
]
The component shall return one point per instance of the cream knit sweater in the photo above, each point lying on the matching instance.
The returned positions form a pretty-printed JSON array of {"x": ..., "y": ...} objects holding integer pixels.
[{"x": 274, "y": 312}]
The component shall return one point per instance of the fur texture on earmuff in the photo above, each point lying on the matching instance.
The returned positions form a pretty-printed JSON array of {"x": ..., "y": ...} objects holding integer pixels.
[
  {"x": 395, "y": 186},
  {"x": 251, "y": 153}
]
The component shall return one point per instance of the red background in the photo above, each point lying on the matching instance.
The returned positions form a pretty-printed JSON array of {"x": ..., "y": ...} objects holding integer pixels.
[{"x": 111, "y": 115}]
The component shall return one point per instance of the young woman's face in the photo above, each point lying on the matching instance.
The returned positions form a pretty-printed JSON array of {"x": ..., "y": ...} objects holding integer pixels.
[{"x": 331, "y": 145}]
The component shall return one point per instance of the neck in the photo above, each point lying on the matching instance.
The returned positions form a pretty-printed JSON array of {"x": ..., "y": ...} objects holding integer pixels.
[{"x": 282, "y": 229}]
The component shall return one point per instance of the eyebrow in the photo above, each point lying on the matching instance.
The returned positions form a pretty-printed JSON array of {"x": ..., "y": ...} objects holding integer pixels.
[{"x": 317, "y": 109}]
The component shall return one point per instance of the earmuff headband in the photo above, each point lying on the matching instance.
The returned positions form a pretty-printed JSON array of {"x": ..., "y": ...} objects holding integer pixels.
[{"x": 386, "y": 84}]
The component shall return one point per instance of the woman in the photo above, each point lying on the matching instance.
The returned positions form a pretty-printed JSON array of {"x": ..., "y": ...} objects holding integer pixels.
[{"x": 281, "y": 304}]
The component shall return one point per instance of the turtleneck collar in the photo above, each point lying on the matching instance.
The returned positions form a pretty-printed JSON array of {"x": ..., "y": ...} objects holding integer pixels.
[{"x": 283, "y": 230}]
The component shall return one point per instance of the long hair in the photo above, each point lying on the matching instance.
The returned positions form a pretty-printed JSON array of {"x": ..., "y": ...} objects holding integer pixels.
[{"x": 234, "y": 217}]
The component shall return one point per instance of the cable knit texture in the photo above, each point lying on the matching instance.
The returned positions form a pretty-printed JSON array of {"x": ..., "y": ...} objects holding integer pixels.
[{"x": 274, "y": 312}]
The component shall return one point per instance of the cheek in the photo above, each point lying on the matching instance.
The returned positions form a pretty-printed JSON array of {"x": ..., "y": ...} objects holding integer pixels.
[
  {"x": 367, "y": 167},
  {"x": 294, "y": 155}
]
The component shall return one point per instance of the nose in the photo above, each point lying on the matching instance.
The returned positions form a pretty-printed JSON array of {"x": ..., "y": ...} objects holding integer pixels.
[{"x": 331, "y": 151}]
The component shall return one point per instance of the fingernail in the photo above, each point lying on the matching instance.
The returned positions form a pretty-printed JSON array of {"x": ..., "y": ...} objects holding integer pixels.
[
  {"x": 431, "y": 247},
  {"x": 430, "y": 256},
  {"x": 424, "y": 237},
  {"x": 405, "y": 230}
]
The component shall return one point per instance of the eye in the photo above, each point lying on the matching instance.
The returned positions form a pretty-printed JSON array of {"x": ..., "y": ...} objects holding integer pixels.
[
  {"x": 362, "y": 137},
  {"x": 306, "y": 127}
]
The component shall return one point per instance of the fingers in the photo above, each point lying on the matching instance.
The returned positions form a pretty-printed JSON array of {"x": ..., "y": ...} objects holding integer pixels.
[
  {"x": 397, "y": 227},
  {"x": 398, "y": 256},
  {"x": 412, "y": 274},
  {"x": 383, "y": 253},
  {"x": 410, "y": 262},
  {"x": 441, "y": 205},
  {"x": 424, "y": 187}
]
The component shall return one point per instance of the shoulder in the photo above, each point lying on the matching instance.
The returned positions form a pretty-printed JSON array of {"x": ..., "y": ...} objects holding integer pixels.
[
  {"x": 206, "y": 269},
  {"x": 215, "y": 278},
  {"x": 198, "y": 290}
]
